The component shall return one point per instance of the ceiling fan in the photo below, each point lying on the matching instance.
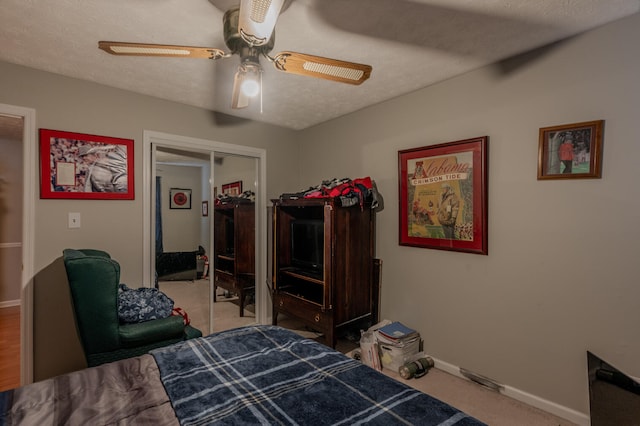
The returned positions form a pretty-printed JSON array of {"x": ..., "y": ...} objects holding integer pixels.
[{"x": 249, "y": 33}]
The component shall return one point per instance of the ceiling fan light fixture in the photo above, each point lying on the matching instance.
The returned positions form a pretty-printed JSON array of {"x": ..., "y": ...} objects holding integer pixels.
[
  {"x": 250, "y": 87},
  {"x": 247, "y": 84},
  {"x": 257, "y": 20},
  {"x": 250, "y": 76}
]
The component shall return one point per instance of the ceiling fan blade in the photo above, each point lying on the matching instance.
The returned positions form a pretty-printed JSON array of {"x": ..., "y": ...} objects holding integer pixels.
[
  {"x": 258, "y": 19},
  {"x": 317, "y": 66},
  {"x": 166, "y": 50}
]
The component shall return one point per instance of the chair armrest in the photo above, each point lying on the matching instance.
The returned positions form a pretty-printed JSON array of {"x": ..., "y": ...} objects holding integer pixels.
[
  {"x": 147, "y": 332},
  {"x": 192, "y": 332}
]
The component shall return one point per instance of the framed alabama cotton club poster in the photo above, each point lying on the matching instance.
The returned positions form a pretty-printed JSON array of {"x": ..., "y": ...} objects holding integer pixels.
[{"x": 443, "y": 196}]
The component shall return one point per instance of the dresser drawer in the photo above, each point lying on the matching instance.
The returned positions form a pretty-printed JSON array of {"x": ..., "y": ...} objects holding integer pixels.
[{"x": 306, "y": 311}]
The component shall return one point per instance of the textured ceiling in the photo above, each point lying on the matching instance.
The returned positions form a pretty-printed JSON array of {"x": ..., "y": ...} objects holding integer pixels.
[{"x": 409, "y": 44}]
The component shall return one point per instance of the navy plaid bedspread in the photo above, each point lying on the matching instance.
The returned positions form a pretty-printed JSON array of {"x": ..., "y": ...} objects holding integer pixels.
[{"x": 271, "y": 376}]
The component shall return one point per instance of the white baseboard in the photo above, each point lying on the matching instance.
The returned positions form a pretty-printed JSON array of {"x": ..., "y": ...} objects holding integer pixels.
[
  {"x": 9, "y": 303},
  {"x": 532, "y": 400}
]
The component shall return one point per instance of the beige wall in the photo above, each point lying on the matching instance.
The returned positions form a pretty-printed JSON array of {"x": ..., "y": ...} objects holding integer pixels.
[{"x": 562, "y": 272}]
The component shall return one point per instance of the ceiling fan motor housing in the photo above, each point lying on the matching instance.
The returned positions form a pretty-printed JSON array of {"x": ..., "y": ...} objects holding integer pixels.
[{"x": 234, "y": 40}]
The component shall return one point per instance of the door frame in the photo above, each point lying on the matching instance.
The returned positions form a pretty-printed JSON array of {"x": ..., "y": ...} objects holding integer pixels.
[
  {"x": 29, "y": 186},
  {"x": 188, "y": 143}
]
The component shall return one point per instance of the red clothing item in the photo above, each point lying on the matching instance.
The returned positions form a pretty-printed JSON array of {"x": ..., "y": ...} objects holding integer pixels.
[{"x": 566, "y": 151}]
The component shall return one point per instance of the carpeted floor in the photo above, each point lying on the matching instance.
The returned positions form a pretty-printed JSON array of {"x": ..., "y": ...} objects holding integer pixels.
[
  {"x": 484, "y": 404},
  {"x": 192, "y": 296}
]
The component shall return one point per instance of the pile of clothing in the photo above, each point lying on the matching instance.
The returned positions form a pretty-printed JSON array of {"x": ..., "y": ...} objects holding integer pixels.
[
  {"x": 349, "y": 192},
  {"x": 246, "y": 196}
]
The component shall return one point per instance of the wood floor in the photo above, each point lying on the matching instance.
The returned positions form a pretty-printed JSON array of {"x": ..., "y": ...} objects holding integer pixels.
[{"x": 9, "y": 347}]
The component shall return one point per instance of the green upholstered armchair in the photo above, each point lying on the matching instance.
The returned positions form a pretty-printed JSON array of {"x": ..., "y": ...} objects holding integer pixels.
[{"x": 93, "y": 279}]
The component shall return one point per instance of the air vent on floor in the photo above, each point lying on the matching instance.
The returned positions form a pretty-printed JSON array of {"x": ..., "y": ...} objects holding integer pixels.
[{"x": 481, "y": 380}]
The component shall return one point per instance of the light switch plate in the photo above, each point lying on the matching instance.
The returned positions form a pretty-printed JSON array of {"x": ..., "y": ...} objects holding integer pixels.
[{"x": 74, "y": 220}]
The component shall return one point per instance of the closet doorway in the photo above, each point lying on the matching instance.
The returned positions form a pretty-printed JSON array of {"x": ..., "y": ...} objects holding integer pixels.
[{"x": 197, "y": 172}]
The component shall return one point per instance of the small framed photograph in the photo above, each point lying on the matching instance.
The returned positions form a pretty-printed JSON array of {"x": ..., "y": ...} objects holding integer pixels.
[
  {"x": 443, "y": 196},
  {"x": 81, "y": 166},
  {"x": 233, "y": 189},
  {"x": 179, "y": 198},
  {"x": 571, "y": 151},
  {"x": 205, "y": 208}
]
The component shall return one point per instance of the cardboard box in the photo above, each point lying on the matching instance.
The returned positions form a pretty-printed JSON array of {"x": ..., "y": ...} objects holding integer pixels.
[{"x": 394, "y": 354}]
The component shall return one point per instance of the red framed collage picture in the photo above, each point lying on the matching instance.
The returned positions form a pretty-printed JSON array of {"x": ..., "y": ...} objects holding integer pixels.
[{"x": 82, "y": 166}]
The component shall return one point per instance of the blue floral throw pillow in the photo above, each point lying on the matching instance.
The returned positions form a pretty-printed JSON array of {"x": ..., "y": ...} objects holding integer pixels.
[{"x": 142, "y": 304}]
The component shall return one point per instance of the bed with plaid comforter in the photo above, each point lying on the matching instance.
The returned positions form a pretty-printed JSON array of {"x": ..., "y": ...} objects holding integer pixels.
[
  {"x": 246, "y": 376},
  {"x": 271, "y": 376}
]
